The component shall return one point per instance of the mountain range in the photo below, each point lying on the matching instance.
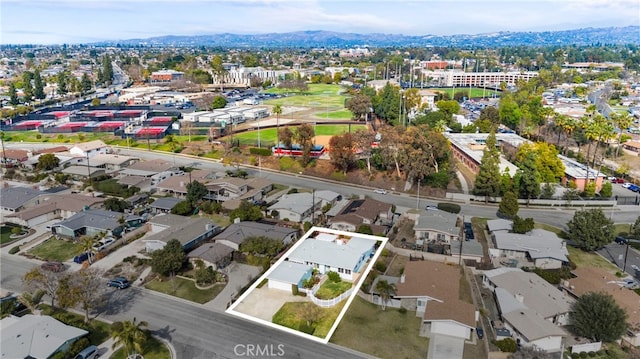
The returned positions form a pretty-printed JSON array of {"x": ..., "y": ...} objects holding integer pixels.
[{"x": 330, "y": 39}]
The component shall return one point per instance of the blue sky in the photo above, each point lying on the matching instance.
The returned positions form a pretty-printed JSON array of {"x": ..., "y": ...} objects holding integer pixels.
[{"x": 77, "y": 21}]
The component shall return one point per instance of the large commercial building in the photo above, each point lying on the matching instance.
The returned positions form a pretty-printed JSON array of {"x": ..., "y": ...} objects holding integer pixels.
[
  {"x": 165, "y": 76},
  {"x": 451, "y": 78}
]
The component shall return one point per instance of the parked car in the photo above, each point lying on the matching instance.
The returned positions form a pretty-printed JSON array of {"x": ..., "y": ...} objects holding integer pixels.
[
  {"x": 634, "y": 188},
  {"x": 104, "y": 243},
  {"x": 90, "y": 352},
  {"x": 53, "y": 266},
  {"x": 81, "y": 258},
  {"x": 380, "y": 191},
  {"x": 618, "y": 180},
  {"x": 626, "y": 185},
  {"x": 120, "y": 282},
  {"x": 480, "y": 332},
  {"x": 431, "y": 208}
]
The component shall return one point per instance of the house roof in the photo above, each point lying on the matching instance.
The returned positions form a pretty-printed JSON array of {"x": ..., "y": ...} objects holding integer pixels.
[
  {"x": 165, "y": 203},
  {"x": 95, "y": 218},
  {"x": 289, "y": 272},
  {"x": 34, "y": 336},
  {"x": 111, "y": 159},
  {"x": 51, "y": 150},
  {"x": 531, "y": 325},
  {"x": 132, "y": 180},
  {"x": 238, "y": 232},
  {"x": 469, "y": 248},
  {"x": 89, "y": 146},
  {"x": 331, "y": 253},
  {"x": 575, "y": 169},
  {"x": 327, "y": 196},
  {"x": 295, "y": 202},
  {"x": 16, "y": 197},
  {"x": 631, "y": 144},
  {"x": 366, "y": 208},
  {"x": 72, "y": 202},
  {"x": 441, "y": 282},
  {"x": 538, "y": 243},
  {"x": 211, "y": 252},
  {"x": 592, "y": 279},
  {"x": 437, "y": 220},
  {"x": 185, "y": 231},
  {"x": 82, "y": 171},
  {"x": 179, "y": 183},
  {"x": 155, "y": 166},
  {"x": 14, "y": 154},
  {"x": 34, "y": 212},
  {"x": 537, "y": 293},
  {"x": 499, "y": 225}
]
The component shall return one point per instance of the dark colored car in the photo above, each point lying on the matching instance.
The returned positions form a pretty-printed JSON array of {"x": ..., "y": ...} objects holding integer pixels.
[
  {"x": 81, "y": 258},
  {"x": 480, "y": 332},
  {"x": 119, "y": 282},
  {"x": 621, "y": 240},
  {"x": 53, "y": 266}
]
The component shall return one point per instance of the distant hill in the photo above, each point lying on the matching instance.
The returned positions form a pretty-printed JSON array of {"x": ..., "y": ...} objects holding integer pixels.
[{"x": 308, "y": 39}]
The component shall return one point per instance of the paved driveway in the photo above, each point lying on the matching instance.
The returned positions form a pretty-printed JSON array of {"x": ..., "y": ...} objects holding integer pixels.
[
  {"x": 445, "y": 347},
  {"x": 263, "y": 302},
  {"x": 239, "y": 275}
]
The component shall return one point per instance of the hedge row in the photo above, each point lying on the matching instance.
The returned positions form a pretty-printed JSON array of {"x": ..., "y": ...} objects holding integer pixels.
[{"x": 260, "y": 151}]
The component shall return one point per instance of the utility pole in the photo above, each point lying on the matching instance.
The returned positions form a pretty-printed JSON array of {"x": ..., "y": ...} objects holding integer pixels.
[
  {"x": 89, "y": 171},
  {"x": 462, "y": 234}
]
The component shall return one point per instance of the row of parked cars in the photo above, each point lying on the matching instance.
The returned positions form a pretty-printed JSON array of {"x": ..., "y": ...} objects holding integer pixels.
[{"x": 631, "y": 187}]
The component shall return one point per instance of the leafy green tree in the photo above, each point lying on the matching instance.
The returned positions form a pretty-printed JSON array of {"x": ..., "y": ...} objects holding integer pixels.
[
  {"x": 86, "y": 290},
  {"x": 509, "y": 205},
  {"x": 131, "y": 335},
  {"x": 219, "y": 102},
  {"x": 606, "y": 191},
  {"x": 27, "y": 87},
  {"x": 359, "y": 105},
  {"x": 261, "y": 245},
  {"x": 506, "y": 182},
  {"x": 246, "y": 212},
  {"x": 47, "y": 281},
  {"x": 183, "y": 208},
  {"x": 31, "y": 300},
  {"x": 590, "y": 229},
  {"x": 598, "y": 317},
  {"x": 13, "y": 94},
  {"x": 47, "y": 162},
  {"x": 38, "y": 85},
  {"x": 545, "y": 157},
  {"x": 448, "y": 109},
  {"x": 169, "y": 259},
  {"x": 522, "y": 225},
  {"x": 195, "y": 192},
  {"x": 342, "y": 156},
  {"x": 385, "y": 291},
  {"x": 204, "y": 274},
  {"x": 529, "y": 185},
  {"x": 62, "y": 83},
  {"x": 115, "y": 204},
  {"x": 85, "y": 84},
  {"x": 590, "y": 190},
  {"x": 364, "y": 229},
  {"x": 487, "y": 182},
  {"x": 304, "y": 136},
  {"x": 86, "y": 246}
]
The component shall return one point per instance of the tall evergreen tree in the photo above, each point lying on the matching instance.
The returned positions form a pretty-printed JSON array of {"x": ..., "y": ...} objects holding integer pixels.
[
  {"x": 107, "y": 69},
  {"x": 38, "y": 85},
  {"x": 13, "y": 95},
  {"x": 488, "y": 179},
  {"x": 85, "y": 83},
  {"x": 27, "y": 87},
  {"x": 62, "y": 83},
  {"x": 529, "y": 186}
]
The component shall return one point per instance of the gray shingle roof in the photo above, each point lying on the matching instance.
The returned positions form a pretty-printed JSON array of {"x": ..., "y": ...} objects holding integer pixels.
[
  {"x": 185, "y": 231},
  {"x": 16, "y": 197},
  {"x": 95, "y": 218},
  {"x": 329, "y": 253},
  {"x": 211, "y": 252},
  {"x": 437, "y": 220},
  {"x": 238, "y": 232},
  {"x": 289, "y": 272},
  {"x": 166, "y": 203},
  {"x": 538, "y": 244}
]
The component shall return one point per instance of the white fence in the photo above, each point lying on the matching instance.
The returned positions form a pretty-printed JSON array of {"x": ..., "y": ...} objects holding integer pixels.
[
  {"x": 588, "y": 347},
  {"x": 326, "y": 303}
]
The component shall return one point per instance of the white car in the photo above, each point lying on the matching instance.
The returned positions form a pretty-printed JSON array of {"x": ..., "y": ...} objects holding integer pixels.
[
  {"x": 626, "y": 185},
  {"x": 380, "y": 191},
  {"x": 431, "y": 208}
]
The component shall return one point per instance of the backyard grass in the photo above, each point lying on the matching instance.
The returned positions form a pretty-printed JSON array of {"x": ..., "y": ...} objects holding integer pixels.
[
  {"x": 550, "y": 228},
  {"x": 185, "y": 289},
  {"x": 589, "y": 259},
  {"x": 474, "y": 92},
  {"x": 5, "y": 233},
  {"x": 56, "y": 250},
  {"x": 381, "y": 333},
  {"x": 292, "y": 315},
  {"x": 152, "y": 349},
  {"x": 465, "y": 289},
  {"x": 396, "y": 268},
  {"x": 329, "y": 289}
]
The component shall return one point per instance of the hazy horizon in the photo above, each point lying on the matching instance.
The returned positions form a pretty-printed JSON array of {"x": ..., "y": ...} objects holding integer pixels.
[{"x": 75, "y": 21}]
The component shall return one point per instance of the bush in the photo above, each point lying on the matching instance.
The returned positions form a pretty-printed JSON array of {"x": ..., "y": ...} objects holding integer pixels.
[
  {"x": 402, "y": 310},
  {"x": 506, "y": 345},
  {"x": 449, "y": 207},
  {"x": 294, "y": 289},
  {"x": 380, "y": 266},
  {"x": 334, "y": 277},
  {"x": 14, "y": 250},
  {"x": 592, "y": 354},
  {"x": 260, "y": 151}
]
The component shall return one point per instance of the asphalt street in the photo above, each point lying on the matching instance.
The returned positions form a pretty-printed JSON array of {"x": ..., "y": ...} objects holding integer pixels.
[{"x": 616, "y": 253}]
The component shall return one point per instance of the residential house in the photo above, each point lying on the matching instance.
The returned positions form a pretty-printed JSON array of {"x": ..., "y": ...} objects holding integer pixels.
[
  {"x": 164, "y": 204},
  {"x": 531, "y": 308},
  {"x": 148, "y": 168},
  {"x": 52, "y": 207},
  {"x": 226, "y": 188},
  {"x": 94, "y": 221},
  {"x": 216, "y": 255},
  {"x": 90, "y": 149},
  {"x": 359, "y": 212},
  {"x": 188, "y": 231},
  {"x": 15, "y": 199},
  {"x": 499, "y": 224},
  {"x": 36, "y": 336},
  {"x": 109, "y": 162},
  {"x": 436, "y": 227},
  {"x": 235, "y": 234},
  {"x": 176, "y": 184},
  {"x": 632, "y": 148},
  {"x": 326, "y": 251},
  {"x": 257, "y": 189},
  {"x": 15, "y": 156},
  {"x": 591, "y": 279},
  {"x": 432, "y": 290},
  {"x": 83, "y": 172},
  {"x": 297, "y": 207},
  {"x": 539, "y": 247},
  {"x": 427, "y": 99}
]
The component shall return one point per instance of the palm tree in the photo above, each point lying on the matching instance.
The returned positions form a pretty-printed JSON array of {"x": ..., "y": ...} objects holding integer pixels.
[
  {"x": 86, "y": 246},
  {"x": 622, "y": 122},
  {"x": 131, "y": 335},
  {"x": 385, "y": 290},
  {"x": 277, "y": 109}
]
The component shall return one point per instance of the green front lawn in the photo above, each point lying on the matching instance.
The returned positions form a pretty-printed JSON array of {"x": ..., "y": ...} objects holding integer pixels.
[
  {"x": 5, "y": 232},
  {"x": 185, "y": 289},
  {"x": 56, "y": 250},
  {"x": 329, "y": 289},
  {"x": 589, "y": 259},
  {"x": 382, "y": 333},
  {"x": 152, "y": 349},
  {"x": 292, "y": 315}
]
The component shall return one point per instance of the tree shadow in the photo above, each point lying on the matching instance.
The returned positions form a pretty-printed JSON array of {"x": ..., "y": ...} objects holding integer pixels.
[{"x": 115, "y": 301}]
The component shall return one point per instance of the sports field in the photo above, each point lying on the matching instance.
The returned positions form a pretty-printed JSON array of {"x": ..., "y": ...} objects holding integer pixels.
[
  {"x": 319, "y": 96},
  {"x": 268, "y": 136}
]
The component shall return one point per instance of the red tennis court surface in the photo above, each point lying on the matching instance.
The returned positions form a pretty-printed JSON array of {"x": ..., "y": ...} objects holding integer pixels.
[{"x": 111, "y": 124}]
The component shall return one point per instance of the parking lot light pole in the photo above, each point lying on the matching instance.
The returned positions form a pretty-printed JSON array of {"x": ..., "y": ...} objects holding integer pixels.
[{"x": 624, "y": 266}]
